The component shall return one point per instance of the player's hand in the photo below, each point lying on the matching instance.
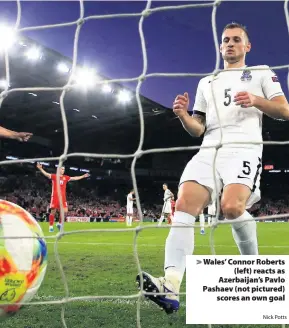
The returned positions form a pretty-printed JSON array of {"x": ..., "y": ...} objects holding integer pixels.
[
  {"x": 39, "y": 166},
  {"x": 86, "y": 175},
  {"x": 245, "y": 99},
  {"x": 181, "y": 104},
  {"x": 23, "y": 136}
]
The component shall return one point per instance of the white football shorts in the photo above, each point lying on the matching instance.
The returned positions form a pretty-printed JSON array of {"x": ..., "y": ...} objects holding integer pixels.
[
  {"x": 167, "y": 208},
  {"x": 129, "y": 209},
  {"x": 212, "y": 209},
  {"x": 243, "y": 166}
]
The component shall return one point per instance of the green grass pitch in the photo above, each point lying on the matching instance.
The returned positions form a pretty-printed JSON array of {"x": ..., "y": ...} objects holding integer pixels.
[{"x": 103, "y": 263}]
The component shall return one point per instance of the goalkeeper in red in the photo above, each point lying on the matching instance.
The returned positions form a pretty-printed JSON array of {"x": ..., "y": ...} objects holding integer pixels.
[
  {"x": 242, "y": 97},
  {"x": 55, "y": 200}
]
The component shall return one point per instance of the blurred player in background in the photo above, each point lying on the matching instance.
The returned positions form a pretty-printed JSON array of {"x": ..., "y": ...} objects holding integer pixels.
[
  {"x": 55, "y": 199},
  {"x": 202, "y": 223},
  {"x": 242, "y": 96},
  {"x": 20, "y": 136},
  {"x": 129, "y": 208},
  {"x": 167, "y": 207},
  {"x": 173, "y": 206},
  {"x": 211, "y": 212}
]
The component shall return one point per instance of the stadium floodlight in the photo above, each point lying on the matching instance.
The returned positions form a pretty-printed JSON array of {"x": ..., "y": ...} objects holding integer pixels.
[
  {"x": 44, "y": 163},
  {"x": 124, "y": 96},
  {"x": 21, "y": 43},
  {"x": 84, "y": 170},
  {"x": 7, "y": 37},
  {"x": 4, "y": 84},
  {"x": 106, "y": 88},
  {"x": 33, "y": 53},
  {"x": 11, "y": 157},
  {"x": 86, "y": 77},
  {"x": 63, "y": 68}
]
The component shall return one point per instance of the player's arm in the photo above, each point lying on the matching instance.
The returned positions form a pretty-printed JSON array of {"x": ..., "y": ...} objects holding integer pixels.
[
  {"x": 195, "y": 125},
  {"x": 170, "y": 195},
  {"x": 48, "y": 175},
  {"x": 277, "y": 107},
  {"x": 9, "y": 134},
  {"x": 274, "y": 105},
  {"x": 80, "y": 177}
]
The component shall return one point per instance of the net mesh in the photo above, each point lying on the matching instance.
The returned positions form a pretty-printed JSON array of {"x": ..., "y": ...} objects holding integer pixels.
[{"x": 139, "y": 152}]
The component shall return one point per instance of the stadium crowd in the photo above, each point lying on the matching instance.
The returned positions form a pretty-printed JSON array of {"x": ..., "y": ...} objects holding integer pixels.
[{"x": 33, "y": 192}]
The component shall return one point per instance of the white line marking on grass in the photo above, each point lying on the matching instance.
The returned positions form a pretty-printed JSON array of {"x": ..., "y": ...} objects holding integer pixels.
[
  {"x": 122, "y": 301},
  {"x": 154, "y": 245}
]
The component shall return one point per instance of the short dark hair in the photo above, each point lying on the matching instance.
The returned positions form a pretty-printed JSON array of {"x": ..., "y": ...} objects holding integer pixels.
[
  {"x": 165, "y": 184},
  {"x": 236, "y": 25}
]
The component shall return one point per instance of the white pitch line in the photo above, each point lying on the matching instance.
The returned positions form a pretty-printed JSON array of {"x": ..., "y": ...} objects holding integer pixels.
[
  {"x": 155, "y": 245},
  {"x": 132, "y": 302}
]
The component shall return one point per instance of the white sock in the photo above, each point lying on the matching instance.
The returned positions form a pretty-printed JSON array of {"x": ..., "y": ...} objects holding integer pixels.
[
  {"x": 245, "y": 235},
  {"x": 202, "y": 221},
  {"x": 179, "y": 243},
  {"x": 209, "y": 219},
  {"x": 130, "y": 220},
  {"x": 161, "y": 220},
  {"x": 127, "y": 220}
]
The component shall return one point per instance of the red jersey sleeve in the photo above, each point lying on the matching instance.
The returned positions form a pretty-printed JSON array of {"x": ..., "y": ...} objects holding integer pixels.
[
  {"x": 67, "y": 178},
  {"x": 53, "y": 177}
]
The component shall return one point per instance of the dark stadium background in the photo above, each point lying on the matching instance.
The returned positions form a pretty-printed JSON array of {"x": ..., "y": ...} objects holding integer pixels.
[
  {"x": 101, "y": 125},
  {"x": 115, "y": 130}
]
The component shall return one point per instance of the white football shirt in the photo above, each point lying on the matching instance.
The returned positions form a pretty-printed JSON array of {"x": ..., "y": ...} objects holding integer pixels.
[
  {"x": 168, "y": 194},
  {"x": 238, "y": 124},
  {"x": 129, "y": 202}
]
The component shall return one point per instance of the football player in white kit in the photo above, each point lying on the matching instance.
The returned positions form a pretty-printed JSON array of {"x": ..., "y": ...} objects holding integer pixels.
[
  {"x": 167, "y": 207},
  {"x": 211, "y": 212},
  {"x": 242, "y": 97},
  {"x": 202, "y": 222},
  {"x": 129, "y": 208}
]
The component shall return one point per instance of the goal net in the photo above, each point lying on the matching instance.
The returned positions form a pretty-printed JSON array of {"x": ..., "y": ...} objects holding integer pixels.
[{"x": 139, "y": 152}]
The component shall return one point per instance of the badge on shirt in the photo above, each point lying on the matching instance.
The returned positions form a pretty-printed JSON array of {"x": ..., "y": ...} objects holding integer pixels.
[{"x": 246, "y": 76}]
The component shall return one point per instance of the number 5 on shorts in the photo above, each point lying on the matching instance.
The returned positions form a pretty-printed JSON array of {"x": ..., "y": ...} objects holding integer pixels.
[{"x": 246, "y": 169}]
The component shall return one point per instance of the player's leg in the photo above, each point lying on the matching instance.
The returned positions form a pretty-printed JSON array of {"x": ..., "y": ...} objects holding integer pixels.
[
  {"x": 128, "y": 217},
  {"x": 169, "y": 219},
  {"x": 192, "y": 199},
  {"x": 166, "y": 217},
  {"x": 169, "y": 214},
  {"x": 209, "y": 219},
  {"x": 65, "y": 210},
  {"x": 241, "y": 191},
  {"x": 173, "y": 212},
  {"x": 162, "y": 217},
  {"x": 130, "y": 220},
  {"x": 202, "y": 223},
  {"x": 195, "y": 192},
  {"x": 233, "y": 203},
  {"x": 166, "y": 212},
  {"x": 52, "y": 217}
]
